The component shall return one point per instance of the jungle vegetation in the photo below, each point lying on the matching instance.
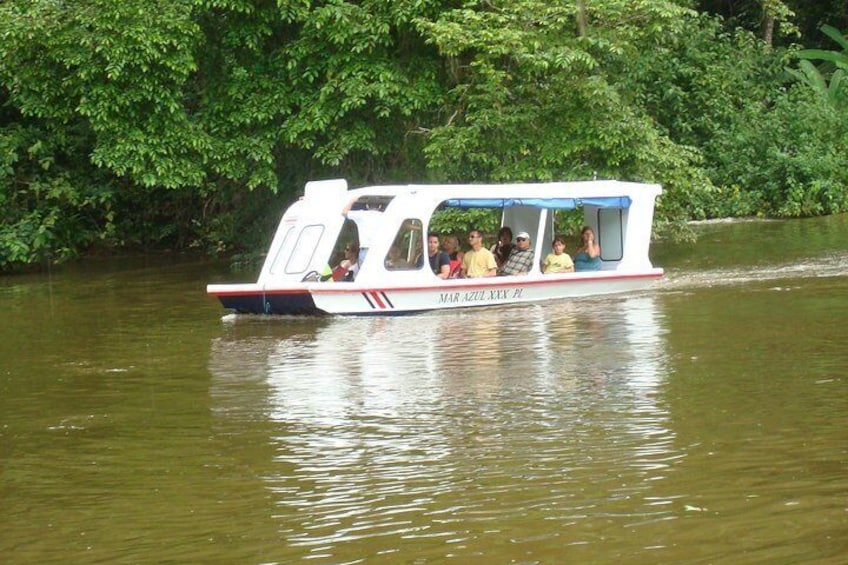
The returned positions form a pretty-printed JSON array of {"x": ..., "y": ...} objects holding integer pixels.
[{"x": 190, "y": 124}]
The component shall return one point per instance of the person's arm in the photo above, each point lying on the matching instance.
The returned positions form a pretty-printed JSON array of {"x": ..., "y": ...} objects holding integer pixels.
[
  {"x": 347, "y": 207},
  {"x": 492, "y": 270},
  {"x": 592, "y": 248},
  {"x": 444, "y": 265}
]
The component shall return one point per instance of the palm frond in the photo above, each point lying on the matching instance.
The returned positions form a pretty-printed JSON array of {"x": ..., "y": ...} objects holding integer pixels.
[{"x": 835, "y": 35}]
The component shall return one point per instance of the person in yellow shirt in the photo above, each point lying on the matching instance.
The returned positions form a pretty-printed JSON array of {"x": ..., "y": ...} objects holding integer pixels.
[
  {"x": 559, "y": 261},
  {"x": 479, "y": 262}
]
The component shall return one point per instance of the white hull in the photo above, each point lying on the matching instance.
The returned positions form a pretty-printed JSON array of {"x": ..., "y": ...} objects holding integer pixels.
[
  {"x": 353, "y": 299},
  {"x": 476, "y": 292}
]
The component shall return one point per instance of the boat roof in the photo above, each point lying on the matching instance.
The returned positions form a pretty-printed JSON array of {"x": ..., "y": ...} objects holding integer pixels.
[{"x": 560, "y": 195}]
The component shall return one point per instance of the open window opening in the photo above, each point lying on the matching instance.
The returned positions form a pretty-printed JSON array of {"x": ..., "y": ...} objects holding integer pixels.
[
  {"x": 407, "y": 251},
  {"x": 349, "y": 234},
  {"x": 544, "y": 218}
]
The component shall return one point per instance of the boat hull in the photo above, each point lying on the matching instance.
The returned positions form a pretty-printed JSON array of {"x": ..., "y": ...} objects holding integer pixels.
[
  {"x": 253, "y": 299},
  {"x": 353, "y": 299}
]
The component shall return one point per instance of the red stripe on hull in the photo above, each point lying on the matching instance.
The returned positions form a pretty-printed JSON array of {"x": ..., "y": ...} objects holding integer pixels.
[{"x": 376, "y": 298}]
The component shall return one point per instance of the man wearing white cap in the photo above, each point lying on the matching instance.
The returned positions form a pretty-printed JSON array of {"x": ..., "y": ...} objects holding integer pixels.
[{"x": 521, "y": 259}]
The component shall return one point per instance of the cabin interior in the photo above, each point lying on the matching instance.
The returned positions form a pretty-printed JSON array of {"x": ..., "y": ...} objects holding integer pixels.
[{"x": 409, "y": 245}]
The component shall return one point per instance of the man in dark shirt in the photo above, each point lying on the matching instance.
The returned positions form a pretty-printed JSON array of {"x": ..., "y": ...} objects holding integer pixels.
[{"x": 439, "y": 260}]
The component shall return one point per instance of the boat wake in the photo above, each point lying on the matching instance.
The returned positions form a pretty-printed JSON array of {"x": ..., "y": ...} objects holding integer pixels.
[
  {"x": 675, "y": 280},
  {"x": 833, "y": 265}
]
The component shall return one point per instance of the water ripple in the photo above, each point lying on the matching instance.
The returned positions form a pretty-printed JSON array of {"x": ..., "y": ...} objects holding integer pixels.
[{"x": 442, "y": 427}]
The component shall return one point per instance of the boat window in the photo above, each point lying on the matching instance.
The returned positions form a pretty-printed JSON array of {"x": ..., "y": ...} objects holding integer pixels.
[
  {"x": 372, "y": 202},
  {"x": 304, "y": 249},
  {"x": 611, "y": 233},
  {"x": 407, "y": 250},
  {"x": 608, "y": 221},
  {"x": 283, "y": 252},
  {"x": 448, "y": 220},
  {"x": 348, "y": 234}
]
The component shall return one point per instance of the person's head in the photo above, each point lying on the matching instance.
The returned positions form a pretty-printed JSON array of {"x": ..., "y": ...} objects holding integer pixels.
[
  {"x": 432, "y": 243},
  {"x": 475, "y": 239},
  {"x": 558, "y": 245},
  {"x": 505, "y": 235},
  {"x": 450, "y": 243},
  {"x": 587, "y": 234},
  {"x": 522, "y": 240},
  {"x": 351, "y": 252}
]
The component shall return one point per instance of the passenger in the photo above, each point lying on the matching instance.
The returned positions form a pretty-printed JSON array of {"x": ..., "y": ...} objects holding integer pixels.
[
  {"x": 559, "y": 261},
  {"x": 520, "y": 261},
  {"x": 395, "y": 260},
  {"x": 451, "y": 246},
  {"x": 479, "y": 262},
  {"x": 349, "y": 267},
  {"x": 503, "y": 248},
  {"x": 439, "y": 260},
  {"x": 588, "y": 256}
]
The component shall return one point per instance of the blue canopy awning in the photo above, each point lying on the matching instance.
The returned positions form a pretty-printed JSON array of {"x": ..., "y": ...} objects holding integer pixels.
[{"x": 554, "y": 203}]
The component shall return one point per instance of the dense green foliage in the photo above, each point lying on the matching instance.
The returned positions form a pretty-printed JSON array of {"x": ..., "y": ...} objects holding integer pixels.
[{"x": 152, "y": 124}]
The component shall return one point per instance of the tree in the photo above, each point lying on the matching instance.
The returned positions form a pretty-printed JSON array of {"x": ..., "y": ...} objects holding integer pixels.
[
  {"x": 209, "y": 97},
  {"x": 774, "y": 12},
  {"x": 536, "y": 94},
  {"x": 764, "y": 16}
]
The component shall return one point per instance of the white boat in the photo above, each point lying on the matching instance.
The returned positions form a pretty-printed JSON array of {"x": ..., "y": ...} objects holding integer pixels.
[{"x": 386, "y": 219}]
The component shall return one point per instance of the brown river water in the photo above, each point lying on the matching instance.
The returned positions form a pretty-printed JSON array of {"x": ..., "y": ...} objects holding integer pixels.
[{"x": 702, "y": 421}]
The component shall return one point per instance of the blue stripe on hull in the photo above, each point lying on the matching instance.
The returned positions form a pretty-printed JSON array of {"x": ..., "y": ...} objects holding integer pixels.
[{"x": 283, "y": 304}]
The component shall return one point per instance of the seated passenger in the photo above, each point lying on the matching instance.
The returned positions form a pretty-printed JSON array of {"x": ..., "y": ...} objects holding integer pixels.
[
  {"x": 520, "y": 261},
  {"x": 395, "y": 260},
  {"x": 451, "y": 246},
  {"x": 349, "y": 267},
  {"x": 439, "y": 260},
  {"x": 479, "y": 262},
  {"x": 559, "y": 261},
  {"x": 503, "y": 248},
  {"x": 588, "y": 255}
]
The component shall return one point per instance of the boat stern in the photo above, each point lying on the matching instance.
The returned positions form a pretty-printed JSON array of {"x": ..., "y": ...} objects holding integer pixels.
[{"x": 254, "y": 299}]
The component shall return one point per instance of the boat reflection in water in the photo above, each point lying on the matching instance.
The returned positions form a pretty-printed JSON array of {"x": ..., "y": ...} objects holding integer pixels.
[{"x": 407, "y": 432}]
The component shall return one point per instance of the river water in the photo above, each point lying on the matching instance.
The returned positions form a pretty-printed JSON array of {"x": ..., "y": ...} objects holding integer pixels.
[{"x": 702, "y": 421}]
